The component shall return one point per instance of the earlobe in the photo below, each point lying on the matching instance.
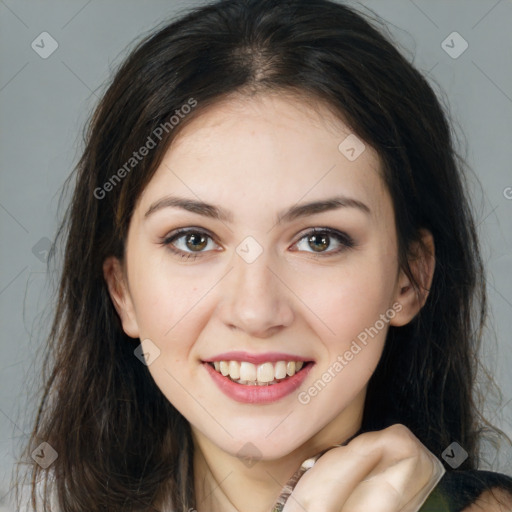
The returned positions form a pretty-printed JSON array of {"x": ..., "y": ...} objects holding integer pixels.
[
  {"x": 422, "y": 265},
  {"x": 120, "y": 295}
]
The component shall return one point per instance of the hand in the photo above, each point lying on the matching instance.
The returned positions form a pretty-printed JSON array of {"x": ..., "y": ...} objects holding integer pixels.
[{"x": 385, "y": 471}]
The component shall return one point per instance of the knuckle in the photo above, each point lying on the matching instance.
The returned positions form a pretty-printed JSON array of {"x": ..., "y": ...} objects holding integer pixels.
[
  {"x": 400, "y": 436},
  {"x": 398, "y": 430}
]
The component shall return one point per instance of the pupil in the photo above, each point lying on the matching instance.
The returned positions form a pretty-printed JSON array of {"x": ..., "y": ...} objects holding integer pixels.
[
  {"x": 322, "y": 239},
  {"x": 193, "y": 238}
]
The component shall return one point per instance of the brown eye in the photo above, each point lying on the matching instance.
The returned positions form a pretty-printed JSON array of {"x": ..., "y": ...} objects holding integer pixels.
[
  {"x": 196, "y": 241},
  {"x": 189, "y": 243},
  {"x": 319, "y": 240}
]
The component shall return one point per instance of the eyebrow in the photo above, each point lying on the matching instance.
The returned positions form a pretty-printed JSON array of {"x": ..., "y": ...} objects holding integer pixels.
[{"x": 292, "y": 213}]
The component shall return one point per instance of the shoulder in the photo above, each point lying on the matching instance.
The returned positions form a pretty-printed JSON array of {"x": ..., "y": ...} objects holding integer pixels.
[{"x": 471, "y": 491}]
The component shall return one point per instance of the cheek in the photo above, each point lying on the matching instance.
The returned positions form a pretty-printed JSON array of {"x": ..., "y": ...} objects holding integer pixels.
[
  {"x": 349, "y": 298},
  {"x": 356, "y": 313},
  {"x": 166, "y": 296},
  {"x": 354, "y": 304},
  {"x": 171, "y": 314}
]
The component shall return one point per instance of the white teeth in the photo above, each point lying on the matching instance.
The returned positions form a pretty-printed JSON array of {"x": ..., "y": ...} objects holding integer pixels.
[
  {"x": 234, "y": 369},
  {"x": 263, "y": 374},
  {"x": 247, "y": 371},
  {"x": 280, "y": 369},
  {"x": 224, "y": 368}
]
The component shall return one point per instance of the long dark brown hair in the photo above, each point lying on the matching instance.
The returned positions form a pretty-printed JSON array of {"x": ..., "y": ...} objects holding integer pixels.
[{"x": 121, "y": 444}]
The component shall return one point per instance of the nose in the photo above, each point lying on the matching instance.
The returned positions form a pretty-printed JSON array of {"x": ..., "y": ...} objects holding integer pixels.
[{"x": 255, "y": 299}]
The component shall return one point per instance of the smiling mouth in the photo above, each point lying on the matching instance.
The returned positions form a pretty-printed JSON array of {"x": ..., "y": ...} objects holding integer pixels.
[{"x": 266, "y": 374}]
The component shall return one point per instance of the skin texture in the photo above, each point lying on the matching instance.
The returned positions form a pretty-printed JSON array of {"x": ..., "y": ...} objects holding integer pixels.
[{"x": 255, "y": 158}]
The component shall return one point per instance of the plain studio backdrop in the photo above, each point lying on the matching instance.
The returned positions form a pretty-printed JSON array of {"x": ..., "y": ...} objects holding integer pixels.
[{"x": 55, "y": 57}]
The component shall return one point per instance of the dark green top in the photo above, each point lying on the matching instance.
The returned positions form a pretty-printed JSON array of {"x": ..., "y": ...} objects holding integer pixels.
[{"x": 459, "y": 489}]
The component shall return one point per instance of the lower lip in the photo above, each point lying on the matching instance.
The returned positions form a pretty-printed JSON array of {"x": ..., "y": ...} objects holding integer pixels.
[{"x": 258, "y": 394}]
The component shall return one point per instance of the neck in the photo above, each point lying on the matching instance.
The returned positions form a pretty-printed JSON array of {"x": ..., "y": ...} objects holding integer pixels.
[{"x": 227, "y": 483}]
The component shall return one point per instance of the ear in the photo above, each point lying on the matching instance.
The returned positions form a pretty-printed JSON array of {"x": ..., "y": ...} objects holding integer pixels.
[
  {"x": 115, "y": 278},
  {"x": 422, "y": 264}
]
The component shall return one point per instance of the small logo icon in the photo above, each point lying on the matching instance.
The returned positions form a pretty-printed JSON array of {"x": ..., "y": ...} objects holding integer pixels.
[
  {"x": 41, "y": 249},
  {"x": 249, "y": 249},
  {"x": 454, "y": 455},
  {"x": 249, "y": 454},
  {"x": 454, "y": 45},
  {"x": 507, "y": 193},
  {"x": 147, "y": 352},
  {"x": 44, "y": 455},
  {"x": 44, "y": 45},
  {"x": 351, "y": 147}
]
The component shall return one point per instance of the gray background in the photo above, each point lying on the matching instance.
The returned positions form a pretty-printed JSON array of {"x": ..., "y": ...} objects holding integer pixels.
[{"x": 45, "y": 102}]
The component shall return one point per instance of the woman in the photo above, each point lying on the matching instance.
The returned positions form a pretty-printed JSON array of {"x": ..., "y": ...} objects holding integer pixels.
[{"x": 271, "y": 275}]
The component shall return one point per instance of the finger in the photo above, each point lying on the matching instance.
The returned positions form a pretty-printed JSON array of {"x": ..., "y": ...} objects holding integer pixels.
[
  {"x": 335, "y": 474},
  {"x": 378, "y": 496},
  {"x": 340, "y": 470},
  {"x": 438, "y": 472},
  {"x": 394, "y": 489}
]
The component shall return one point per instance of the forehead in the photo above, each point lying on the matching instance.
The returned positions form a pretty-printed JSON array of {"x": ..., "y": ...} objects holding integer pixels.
[{"x": 270, "y": 146}]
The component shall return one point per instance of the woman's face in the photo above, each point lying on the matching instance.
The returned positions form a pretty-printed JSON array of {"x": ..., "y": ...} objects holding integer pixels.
[{"x": 250, "y": 277}]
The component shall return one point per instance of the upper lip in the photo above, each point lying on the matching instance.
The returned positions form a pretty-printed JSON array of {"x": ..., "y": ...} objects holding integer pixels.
[{"x": 255, "y": 358}]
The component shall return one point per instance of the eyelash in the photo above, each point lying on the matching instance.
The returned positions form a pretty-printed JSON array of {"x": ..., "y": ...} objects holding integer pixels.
[{"x": 343, "y": 238}]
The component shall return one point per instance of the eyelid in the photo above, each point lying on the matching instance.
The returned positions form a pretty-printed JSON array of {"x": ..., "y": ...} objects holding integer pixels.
[
  {"x": 343, "y": 238},
  {"x": 181, "y": 232},
  {"x": 177, "y": 233},
  {"x": 346, "y": 241}
]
